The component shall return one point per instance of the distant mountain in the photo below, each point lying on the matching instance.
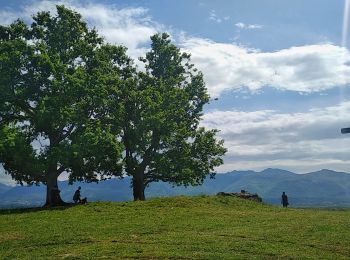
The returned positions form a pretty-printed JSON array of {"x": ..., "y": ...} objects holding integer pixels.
[
  {"x": 324, "y": 188},
  {"x": 4, "y": 188}
]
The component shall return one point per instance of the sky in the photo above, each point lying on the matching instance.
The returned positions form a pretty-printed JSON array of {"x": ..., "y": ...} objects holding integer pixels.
[{"x": 280, "y": 69}]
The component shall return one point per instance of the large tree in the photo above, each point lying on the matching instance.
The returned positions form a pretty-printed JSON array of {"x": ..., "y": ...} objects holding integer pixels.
[
  {"x": 58, "y": 84},
  {"x": 161, "y": 113}
]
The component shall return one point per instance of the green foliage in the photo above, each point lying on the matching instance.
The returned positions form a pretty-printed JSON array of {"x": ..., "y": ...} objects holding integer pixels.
[
  {"x": 161, "y": 133},
  {"x": 57, "y": 78},
  {"x": 177, "y": 228},
  {"x": 18, "y": 156},
  {"x": 62, "y": 85}
]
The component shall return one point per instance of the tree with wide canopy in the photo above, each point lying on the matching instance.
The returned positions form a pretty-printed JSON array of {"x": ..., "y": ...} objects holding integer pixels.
[
  {"x": 161, "y": 117},
  {"x": 58, "y": 81}
]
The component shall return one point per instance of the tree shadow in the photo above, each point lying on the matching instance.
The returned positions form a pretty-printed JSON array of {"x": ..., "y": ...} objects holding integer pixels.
[{"x": 36, "y": 209}]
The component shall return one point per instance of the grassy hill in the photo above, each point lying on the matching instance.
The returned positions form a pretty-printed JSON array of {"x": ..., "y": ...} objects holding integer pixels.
[
  {"x": 179, "y": 228},
  {"x": 324, "y": 188}
]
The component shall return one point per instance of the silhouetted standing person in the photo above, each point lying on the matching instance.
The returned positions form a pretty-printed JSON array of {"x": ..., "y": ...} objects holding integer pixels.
[
  {"x": 284, "y": 200},
  {"x": 76, "y": 196}
]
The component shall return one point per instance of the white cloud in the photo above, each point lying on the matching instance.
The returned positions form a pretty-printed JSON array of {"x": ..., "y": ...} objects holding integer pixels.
[
  {"x": 243, "y": 26},
  {"x": 131, "y": 27},
  {"x": 309, "y": 140},
  {"x": 214, "y": 17},
  {"x": 309, "y": 68},
  {"x": 4, "y": 178}
]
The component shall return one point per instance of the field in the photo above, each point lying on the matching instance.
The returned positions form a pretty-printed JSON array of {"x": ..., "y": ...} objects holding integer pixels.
[{"x": 178, "y": 228}]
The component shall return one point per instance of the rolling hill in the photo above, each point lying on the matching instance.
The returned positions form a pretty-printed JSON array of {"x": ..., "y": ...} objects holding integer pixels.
[
  {"x": 203, "y": 227},
  {"x": 323, "y": 188}
]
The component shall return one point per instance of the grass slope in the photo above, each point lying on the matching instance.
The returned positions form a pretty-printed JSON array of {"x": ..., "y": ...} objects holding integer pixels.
[
  {"x": 180, "y": 228},
  {"x": 324, "y": 188}
]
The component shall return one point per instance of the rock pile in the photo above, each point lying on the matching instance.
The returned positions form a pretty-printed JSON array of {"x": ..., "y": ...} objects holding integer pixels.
[{"x": 243, "y": 195}]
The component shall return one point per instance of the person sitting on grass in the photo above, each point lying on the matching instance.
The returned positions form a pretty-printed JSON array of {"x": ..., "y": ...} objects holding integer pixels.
[
  {"x": 76, "y": 196},
  {"x": 77, "y": 199}
]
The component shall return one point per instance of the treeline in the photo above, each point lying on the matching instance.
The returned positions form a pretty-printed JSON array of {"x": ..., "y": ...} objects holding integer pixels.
[{"x": 72, "y": 103}]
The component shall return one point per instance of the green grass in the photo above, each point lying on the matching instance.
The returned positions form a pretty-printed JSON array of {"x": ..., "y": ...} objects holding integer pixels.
[{"x": 177, "y": 228}]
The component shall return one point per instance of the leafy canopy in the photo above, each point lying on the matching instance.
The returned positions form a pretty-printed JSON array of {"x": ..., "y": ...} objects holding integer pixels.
[
  {"x": 72, "y": 103},
  {"x": 162, "y": 112},
  {"x": 57, "y": 78}
]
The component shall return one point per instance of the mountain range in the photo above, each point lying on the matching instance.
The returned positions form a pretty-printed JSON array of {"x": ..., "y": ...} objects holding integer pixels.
[{"x": 324, "y": 188}]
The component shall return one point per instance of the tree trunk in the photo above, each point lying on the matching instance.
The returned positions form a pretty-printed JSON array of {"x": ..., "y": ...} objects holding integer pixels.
[
  {"x": 53, "y": 197},
  {"x": 138, "y": 187}
]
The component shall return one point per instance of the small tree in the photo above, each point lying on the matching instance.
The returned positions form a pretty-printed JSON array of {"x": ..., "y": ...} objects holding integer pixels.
[
  {"x": 162, "y": 111},
  {"x": 57, "y": 83}
]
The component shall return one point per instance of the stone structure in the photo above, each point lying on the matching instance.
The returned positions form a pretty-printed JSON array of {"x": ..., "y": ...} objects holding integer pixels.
[{"x": 243, "y": 195}]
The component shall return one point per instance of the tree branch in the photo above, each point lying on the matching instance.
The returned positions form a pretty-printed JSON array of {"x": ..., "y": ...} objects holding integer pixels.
[
  {"x": 151, "y": 177},
  {"x": 8, "y": 118},
  {"x": 60, "y": 170},
  {"x": 150, "y": 150}
]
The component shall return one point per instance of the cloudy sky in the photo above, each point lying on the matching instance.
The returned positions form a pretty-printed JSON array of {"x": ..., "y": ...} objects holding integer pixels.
[{"x": 280, "y": 69}]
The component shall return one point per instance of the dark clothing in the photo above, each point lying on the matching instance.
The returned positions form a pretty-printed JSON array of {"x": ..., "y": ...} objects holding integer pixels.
[
  {"x": 76, "y": 197},
  {"x": 284, "y": 200}
]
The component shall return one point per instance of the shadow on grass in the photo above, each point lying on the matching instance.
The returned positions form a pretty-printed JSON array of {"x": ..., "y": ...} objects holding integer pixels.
[{"x": 36, "y": 209}]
